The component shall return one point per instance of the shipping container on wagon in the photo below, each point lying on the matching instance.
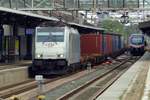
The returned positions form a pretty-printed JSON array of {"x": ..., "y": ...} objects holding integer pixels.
[
  {"x": 113, "y": 43},
  {"x": 109, "y": 39},
  {"x": 116, "y": 43},
  {"x": 107, "y": 43},
  {"x": 104, "y": 44},
  {"x": 91, "y": 45},
  {"x": 119, "y": 43},
  {"x": 122, "y": 43}
]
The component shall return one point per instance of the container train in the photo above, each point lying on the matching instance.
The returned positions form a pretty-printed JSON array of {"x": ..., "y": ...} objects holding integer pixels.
[
  {"x": 65, "y": 48},
  {"x": 137, "y": 44}
]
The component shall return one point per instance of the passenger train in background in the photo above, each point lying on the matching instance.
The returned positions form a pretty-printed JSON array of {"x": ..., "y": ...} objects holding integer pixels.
[
  {"x": 61, "y": 49},
  {"x": 137, "y": 44}
]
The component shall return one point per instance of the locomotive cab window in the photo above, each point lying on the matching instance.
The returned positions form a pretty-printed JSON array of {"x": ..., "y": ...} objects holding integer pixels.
[
  {"x": 137, "y": 40},
  {"x": 50, "y": 34}
]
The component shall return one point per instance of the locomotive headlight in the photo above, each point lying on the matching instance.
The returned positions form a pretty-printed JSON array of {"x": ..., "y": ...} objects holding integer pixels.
[
  {"x": 38, "y": 55},
  {"x": 60, "y": 55}
]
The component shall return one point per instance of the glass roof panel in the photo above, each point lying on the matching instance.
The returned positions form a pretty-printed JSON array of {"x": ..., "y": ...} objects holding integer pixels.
[
  {"x": 116, "y": 3},
  {"x": 102, "y": 3},
  {"x": 5, "y": 3},
  {"x": 83, "y": 4},
  {"x": 71, "y": 3},
  {"x": 43, "y": 3},
  {"x": 132, "y": 3},
  {"x": 86, "y": 4}
]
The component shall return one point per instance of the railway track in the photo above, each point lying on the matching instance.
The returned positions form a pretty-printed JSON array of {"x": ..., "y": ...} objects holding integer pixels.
[
  {"x": 95, "y": 87},
  {"x": 24, "y": 87},
  {"x": 7, "y": 92}
]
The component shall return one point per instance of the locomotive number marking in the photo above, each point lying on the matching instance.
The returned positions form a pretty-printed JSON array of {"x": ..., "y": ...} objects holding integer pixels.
[{"x": 49, "y": 44}]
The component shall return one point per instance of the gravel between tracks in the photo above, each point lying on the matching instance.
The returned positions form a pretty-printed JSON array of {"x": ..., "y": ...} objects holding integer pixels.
[
  {"x": 65, "y": 88},
  {"x": 61, "y": 90}
]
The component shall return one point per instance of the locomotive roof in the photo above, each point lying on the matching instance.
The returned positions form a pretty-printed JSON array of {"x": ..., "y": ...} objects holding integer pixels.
[
  {"x": 137, "y": 34},
  {"x": 87, "y": 27}
]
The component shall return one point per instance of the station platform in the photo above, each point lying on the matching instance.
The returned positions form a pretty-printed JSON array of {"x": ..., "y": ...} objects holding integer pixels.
[
  {"x": 13, "y": 73},
  {"x": 133, "y": 84},
  {"x": 17, "y": 63}
]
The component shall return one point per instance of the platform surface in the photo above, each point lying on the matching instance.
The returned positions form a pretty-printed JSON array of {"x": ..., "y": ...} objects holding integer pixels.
[{"x": 132, "y": 84}]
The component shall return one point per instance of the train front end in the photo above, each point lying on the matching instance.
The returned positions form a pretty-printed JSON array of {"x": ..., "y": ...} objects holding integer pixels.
[
  {"x": 49, "y": 52},
  {"x": 136, "y": 43}
]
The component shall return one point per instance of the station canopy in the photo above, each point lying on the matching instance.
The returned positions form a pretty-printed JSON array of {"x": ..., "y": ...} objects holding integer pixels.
[
  {"x": 68, "y": 9},
  {"x": 73, "y": 4},
  {"x": 21, "y": 18},
  {"x": 145, "y": 27},
  {"x": 71, "y": 7}
]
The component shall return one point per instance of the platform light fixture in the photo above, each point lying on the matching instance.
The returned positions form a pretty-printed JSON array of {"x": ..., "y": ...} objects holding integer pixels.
[{"x": 124, "y": 19}]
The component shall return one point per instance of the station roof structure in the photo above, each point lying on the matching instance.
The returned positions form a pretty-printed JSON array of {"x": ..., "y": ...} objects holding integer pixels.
[
  {"x": 69, "y": 8},
  {"x": 72, "y": 4},
  {"x": 145, "y": 27},
  {"x": 11, "y": 16},
  {"x": 80, "y": 27},
  {"x": 86, "y": 26}
]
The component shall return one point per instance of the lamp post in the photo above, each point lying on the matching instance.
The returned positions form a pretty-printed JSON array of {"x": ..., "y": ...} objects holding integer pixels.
[{"x": 124, "y": 18}]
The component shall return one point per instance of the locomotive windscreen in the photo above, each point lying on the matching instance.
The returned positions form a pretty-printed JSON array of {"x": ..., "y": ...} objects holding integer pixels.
[
  {"x": 137, "y": 40},
  {"x": 50, "y": 34}
]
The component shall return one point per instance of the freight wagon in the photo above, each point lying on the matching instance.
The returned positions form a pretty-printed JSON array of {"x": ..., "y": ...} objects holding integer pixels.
[
  {"x": 65, "y": 48},
  {"x": 96, "y": 47},
  {"x": 91, "y": 47}
]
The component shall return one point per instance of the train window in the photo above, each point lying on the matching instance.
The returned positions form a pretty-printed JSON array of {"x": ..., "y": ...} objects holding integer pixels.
[
  {"x": 50, "y": 35},
  {"x": 137, "y": 40}
]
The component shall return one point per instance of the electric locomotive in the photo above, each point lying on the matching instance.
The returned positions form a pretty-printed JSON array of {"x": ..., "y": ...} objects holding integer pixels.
[
  {"x": 57, "y": 49},
  {"x": 136, "y": 43}
]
